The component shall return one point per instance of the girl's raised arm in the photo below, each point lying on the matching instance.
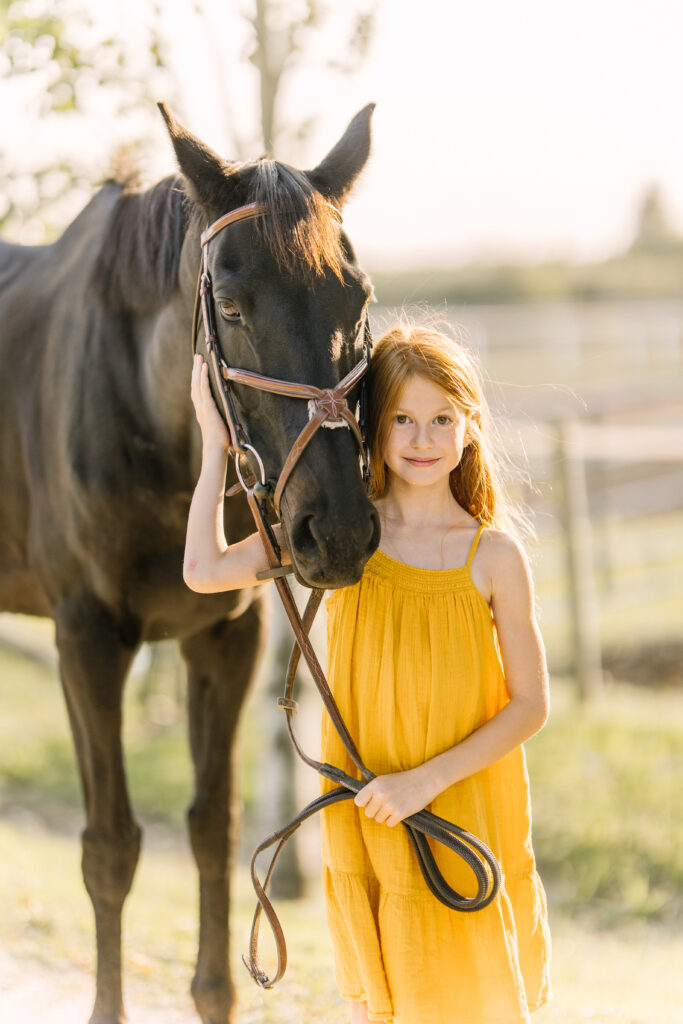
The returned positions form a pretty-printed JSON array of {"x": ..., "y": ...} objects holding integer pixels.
[{"x": 210, "y": 565}]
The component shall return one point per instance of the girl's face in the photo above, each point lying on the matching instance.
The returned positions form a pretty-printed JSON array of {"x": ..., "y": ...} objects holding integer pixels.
[{"x": 428, "y": 434}]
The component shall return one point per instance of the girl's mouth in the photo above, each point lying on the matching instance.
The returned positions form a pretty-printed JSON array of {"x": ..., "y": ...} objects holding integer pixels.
[{"x": 421, "y": 462}]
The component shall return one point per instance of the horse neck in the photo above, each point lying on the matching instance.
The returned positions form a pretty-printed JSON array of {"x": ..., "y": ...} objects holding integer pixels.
[{"x": 167, "y": 359}]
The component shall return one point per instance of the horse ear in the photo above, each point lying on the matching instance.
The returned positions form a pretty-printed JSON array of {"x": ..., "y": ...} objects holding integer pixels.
[
  {"x": 334, "y": 177},
  {"x": 204, "y": 170}
]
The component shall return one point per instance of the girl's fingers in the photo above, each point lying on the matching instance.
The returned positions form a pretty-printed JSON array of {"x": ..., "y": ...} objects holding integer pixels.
[
  {"x": 374, "y": 808},
  {"x": 362, "y": 797},
  {"x": 200, "y": 389},
  {"x": 194, "y": 379}
]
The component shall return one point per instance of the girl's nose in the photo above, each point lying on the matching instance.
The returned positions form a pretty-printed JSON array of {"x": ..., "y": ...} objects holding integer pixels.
[{"x": 421, "y": 435}]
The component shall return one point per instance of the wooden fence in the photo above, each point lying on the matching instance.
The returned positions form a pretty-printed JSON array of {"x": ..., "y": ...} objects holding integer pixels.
[{"x": 579, "y": 443}]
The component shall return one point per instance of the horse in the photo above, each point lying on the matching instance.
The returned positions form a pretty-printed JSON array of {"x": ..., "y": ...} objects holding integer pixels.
[{"x": 100, "y": 449}]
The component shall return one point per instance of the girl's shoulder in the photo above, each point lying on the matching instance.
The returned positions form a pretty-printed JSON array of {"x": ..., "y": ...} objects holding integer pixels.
[
  {"x": 502, "y": 562},
  {"x": 501, "y": 542},
  {"x": 501, "y": 548}
]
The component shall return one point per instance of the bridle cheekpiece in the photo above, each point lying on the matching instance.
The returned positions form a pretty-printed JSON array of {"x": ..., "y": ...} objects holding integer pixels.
[{"x": 327, "y": 407}]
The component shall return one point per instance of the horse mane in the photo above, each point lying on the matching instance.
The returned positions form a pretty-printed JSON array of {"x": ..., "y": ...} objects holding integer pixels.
[
  {"x": 137, "y": 265},
  {"x": 300, "y": 228}
]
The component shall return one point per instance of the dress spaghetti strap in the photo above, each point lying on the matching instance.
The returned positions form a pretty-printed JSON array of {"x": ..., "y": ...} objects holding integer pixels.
[{"x": 475, "y": 545}]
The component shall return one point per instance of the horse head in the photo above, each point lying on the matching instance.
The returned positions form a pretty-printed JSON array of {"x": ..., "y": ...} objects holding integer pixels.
[{"x": 290, "y": 302}]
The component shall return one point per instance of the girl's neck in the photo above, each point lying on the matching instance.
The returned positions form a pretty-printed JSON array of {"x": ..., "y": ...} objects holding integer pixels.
[{"x": 421, "y": 507}]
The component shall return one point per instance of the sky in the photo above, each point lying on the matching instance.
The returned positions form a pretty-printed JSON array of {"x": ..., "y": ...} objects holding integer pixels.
[{"x": 524, "y": 130}]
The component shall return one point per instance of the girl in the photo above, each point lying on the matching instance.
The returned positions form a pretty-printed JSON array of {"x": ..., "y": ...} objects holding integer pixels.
[{"x": 438, "y": 668}]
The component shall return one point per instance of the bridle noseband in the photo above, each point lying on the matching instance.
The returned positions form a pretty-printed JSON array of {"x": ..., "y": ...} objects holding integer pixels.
[{"x": 327, "y": 406}]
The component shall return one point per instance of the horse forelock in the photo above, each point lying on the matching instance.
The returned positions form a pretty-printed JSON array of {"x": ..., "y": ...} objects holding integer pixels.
[
  {"x": 137, "y": 265},
  {"x": 299, "y": 227}
]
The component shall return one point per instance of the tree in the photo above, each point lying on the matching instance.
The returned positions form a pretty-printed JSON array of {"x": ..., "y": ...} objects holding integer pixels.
[
  {"x": 73, "y": 63},
  {"x": 62, "y": 59},
  {"x": 283, "y": 31},
  {"x": 654, "y": 230}
]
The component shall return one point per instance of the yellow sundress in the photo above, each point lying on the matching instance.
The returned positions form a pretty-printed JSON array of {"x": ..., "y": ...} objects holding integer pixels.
[{"x": 414, "y": 664}]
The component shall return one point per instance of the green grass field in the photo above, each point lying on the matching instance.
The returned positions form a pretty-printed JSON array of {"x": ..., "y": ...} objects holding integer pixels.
[{"x": 608, "y": 835}]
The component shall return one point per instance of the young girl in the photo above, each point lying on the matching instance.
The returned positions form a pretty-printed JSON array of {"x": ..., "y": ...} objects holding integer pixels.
[{"x": 437, "y": 666}]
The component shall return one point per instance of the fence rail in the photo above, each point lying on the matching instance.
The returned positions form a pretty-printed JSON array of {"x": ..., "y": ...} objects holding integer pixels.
[
  {"x": 609, "y": 442},
  {"x": 577, "y": 444}
]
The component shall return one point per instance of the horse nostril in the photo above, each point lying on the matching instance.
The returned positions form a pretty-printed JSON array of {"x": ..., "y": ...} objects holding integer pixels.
[
  {"x": 302, "y": 536},
  {"x": 314, "y": 536}
]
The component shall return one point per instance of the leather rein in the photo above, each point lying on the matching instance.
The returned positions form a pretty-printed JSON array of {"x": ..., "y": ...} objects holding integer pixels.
[{"x": 327, "y": 406}]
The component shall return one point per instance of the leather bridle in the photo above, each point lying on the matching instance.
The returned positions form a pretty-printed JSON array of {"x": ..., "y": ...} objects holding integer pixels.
[{"x": 326, "y": 406}]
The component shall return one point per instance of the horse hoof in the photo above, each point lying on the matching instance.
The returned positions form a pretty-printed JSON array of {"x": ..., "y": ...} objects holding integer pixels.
[{"x": 213, "y": 998}]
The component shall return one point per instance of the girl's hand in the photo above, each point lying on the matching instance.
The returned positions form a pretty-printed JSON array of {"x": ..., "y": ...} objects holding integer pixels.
[
  {"x": 214, "y": 430},
  {"x": 391, "y": 798}
]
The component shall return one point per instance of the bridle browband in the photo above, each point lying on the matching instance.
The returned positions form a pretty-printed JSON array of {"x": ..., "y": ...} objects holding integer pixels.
[{"x": 327, "y": 406}]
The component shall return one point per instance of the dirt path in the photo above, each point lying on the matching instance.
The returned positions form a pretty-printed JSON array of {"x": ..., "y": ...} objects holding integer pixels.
[{"x": 32, "y": 992}]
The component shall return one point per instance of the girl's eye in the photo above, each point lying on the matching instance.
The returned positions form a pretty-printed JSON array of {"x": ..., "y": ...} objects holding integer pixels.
[
  {"x": 443, "y": 420},
  {"x": 401, "y": 417},
  {"x": 229, "y": 311}
]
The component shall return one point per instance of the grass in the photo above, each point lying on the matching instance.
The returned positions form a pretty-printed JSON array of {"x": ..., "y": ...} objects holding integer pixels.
[
  {"x": 37, "y": 765},
  {"x": 607, "y": 793},
  {"x": 630, "y": 976},
  {"x": 606, "y": 785},
  {"x": 608, "y": 836}
]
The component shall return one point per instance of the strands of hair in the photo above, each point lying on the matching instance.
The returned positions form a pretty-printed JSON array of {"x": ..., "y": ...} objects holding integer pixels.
[
  {"x": 137, "y": 266},
  {"x": 300, "y": 229}
]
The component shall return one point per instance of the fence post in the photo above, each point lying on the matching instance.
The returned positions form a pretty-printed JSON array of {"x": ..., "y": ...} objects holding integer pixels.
[{"x": 578, "y": 541}]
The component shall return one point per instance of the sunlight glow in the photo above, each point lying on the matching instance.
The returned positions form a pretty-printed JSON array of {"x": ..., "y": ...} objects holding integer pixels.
[{"x": 526, "y": 129}]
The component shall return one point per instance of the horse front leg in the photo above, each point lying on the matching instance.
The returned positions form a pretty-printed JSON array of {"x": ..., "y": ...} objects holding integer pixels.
[
  {"x": 221, "y": 661},
  {"x": 94, "y": 657}
]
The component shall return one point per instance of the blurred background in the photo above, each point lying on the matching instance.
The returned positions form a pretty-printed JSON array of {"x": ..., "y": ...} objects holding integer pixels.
[{"x": 526, "y": 189}]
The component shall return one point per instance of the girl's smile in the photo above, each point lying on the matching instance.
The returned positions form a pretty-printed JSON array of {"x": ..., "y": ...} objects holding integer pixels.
[{"x": 428, "y": 434}]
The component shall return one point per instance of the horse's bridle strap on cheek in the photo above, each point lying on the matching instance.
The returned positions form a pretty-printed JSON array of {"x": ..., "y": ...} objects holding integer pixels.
[{"x": 327, "y": 406}]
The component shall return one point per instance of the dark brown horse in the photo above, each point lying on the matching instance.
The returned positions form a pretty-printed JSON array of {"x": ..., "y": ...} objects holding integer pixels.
[{"x": 99, "y": 451}]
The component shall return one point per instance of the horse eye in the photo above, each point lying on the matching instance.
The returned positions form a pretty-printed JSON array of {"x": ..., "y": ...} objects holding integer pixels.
[{"x": 229, "y": 311}]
